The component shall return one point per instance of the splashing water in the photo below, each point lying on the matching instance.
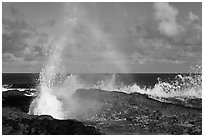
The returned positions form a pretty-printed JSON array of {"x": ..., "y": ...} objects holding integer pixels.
[
  {"x": 183, "y": 86},
  {"x": 55, "y": 97},
  {"x": 55, "y": 93},
  {"x": 46, "y": 102},
  {"x": 56, "y": 90},
  {"x": 52, "y": 89},
  {"x": 57, "y": 100},
  {"x": 109, "y": 84}
]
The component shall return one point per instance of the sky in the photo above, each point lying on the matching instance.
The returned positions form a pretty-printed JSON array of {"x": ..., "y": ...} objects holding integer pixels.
[{"x": 102, "y": 37}]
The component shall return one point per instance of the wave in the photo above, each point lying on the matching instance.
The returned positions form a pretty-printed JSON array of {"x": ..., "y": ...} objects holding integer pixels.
[
  {"x": 57, "y": 100},
  {"x": 55, "y": 95},
  {"x": 182, "y": 86},
  {"x": 19, "y": 89},
  {"x": 56, "y": 90},
  {"x": 27, "y": 91},
  {"x": 9, "y": 87}
]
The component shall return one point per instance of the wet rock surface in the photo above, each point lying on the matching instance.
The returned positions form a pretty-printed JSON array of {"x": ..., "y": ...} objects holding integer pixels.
[
  {"x": 19, "y": 123},
  {"x": 15, "y": 120},
  {"x": 118, "y": 113},
  {"x": 135, "y": 113},
  {"x": 18, "y": 99}
]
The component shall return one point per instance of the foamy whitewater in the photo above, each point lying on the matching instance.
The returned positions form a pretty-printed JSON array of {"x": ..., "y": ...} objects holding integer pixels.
[
  {"x": 55, "y": 95},
  {"x": 57, "y": 99}
]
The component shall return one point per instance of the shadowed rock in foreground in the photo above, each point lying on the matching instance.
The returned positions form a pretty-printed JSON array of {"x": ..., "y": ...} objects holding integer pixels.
[
  {"x": 15, "y": 122},
  {"x": 17, "y": 99},
  {"x": 117, "y": 113}
]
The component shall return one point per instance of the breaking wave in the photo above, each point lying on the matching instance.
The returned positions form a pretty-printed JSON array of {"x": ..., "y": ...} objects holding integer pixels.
[
  {"x": 56, "y": 90},
  {"x": 57, "y": 100},
  {"x": 182, "y": 86}
]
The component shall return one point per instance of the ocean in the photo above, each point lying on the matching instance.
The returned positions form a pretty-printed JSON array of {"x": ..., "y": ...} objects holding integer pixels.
[
  {"x": 156, "y": 85},
  {"x": 26, "y": 81},
  {"x": 31, "y": 80}
]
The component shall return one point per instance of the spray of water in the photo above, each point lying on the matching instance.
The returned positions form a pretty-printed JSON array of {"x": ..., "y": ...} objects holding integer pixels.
[
  {"x": 55, "y": 95},
  {"x": 182, "y": 86},
  {"x": 58, "y": 100},
  {"x": 46, "y": 102}
]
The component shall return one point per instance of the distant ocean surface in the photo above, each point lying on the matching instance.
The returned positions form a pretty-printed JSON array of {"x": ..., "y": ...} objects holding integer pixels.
[
  {"x": 156, "y": 84},
  {"x": 31, "y": 80}
]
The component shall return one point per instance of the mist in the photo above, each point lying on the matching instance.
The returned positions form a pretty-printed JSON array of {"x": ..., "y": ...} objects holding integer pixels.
[{"x": 81, "y": 39}]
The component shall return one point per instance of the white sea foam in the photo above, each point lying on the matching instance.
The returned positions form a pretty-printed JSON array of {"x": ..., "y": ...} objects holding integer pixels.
[
  {"x": 59, "y": 102},
  {"x": 18, "y": 89},
  {"x": 183, "y": 86}
]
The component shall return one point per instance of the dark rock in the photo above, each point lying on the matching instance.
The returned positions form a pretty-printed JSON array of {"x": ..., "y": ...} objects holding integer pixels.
[
  {"x": 141, "y": 112},
  {"x": 42, "y": 117},
  {"x": 115, "y": 113},
  {"x": 44, "y": 125},
  {"x": 18, "y": 99}
]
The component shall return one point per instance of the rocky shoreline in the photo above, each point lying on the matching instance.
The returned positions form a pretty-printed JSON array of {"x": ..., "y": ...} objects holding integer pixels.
[
  {"x": 16, "y": 121},
  {"x": 136, "y": 113},
  {"x": 118, "y": 113},
  {"x": 44, "y": 125}
]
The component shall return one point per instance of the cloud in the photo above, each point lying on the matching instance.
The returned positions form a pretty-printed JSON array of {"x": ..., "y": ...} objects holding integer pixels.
[
  {"x": 87, "y": 41},
  {"x": 152, "y": 47},
  {"x": 151, "y": 41},
  {"x": 21, "y": 40},
  {"x": 156, "y": 51},
  {"x": 193, "y": 17},
  {"x": 166, "y": 15},
  {"x": 166, "y": 40},
  {"x": 187, "y": 32},
  {"x": 142, "y": 59},
  {"x": 8, "y": 57},
  {"x": 105, "y": 41}
]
